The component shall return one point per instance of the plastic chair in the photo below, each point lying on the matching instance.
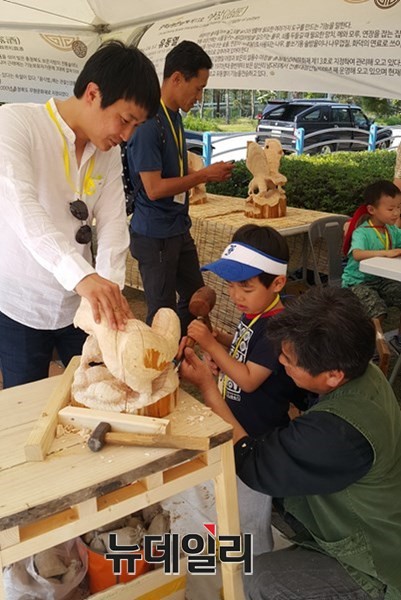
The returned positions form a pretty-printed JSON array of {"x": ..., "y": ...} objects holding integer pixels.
[{"x": 329, "y": 232}]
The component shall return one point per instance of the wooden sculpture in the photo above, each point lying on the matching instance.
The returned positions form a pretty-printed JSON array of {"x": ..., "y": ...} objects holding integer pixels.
[
  {"x": 125, "y": 371},
  {"x": 197, "y": 195},
  {"x": 266, "y": 197}
]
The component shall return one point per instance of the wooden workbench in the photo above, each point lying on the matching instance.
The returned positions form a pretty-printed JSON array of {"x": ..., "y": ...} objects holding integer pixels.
[{"x": 74, "y": 490}]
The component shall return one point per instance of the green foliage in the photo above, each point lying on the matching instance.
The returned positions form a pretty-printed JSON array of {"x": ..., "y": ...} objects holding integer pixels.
[
  {"x": 378, "y": 106},
  {"x": 394, "y": 120},
  {"x": 197, "y": 124},
  {"x": 238, "y": 125},
  {"x": 231, "y": 104},
  {"x": 236, "y": 186},
  {"x": 330, "y": 183}
]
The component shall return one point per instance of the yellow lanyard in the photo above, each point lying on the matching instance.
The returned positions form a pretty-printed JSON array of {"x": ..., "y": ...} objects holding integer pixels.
[
  {"x": 385, "y": 240},
  {"x": 237, "y": 345},
  {"x": 88, "y": 186},
  {"x": 178, "y": 140}
]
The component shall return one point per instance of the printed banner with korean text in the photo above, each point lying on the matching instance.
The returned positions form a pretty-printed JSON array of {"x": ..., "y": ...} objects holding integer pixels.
[
  {"x": 35, "y": 66},
  {"x": 338, "y": 46}
]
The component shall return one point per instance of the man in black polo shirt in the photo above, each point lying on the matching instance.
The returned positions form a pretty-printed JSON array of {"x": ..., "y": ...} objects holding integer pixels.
[{"x": 158, "y": 166}]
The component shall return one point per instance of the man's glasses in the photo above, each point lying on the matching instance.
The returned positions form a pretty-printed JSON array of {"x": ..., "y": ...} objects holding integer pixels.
[{"x": 79, "y": 210}]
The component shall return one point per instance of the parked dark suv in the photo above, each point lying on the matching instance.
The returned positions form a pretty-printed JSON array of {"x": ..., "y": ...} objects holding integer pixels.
[
  {"x": 194, "y": 141},
  {"x": 329, "y": 126}
]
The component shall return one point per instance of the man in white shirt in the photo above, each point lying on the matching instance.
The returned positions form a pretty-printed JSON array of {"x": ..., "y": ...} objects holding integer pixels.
[{"x": 60, "y": 168}]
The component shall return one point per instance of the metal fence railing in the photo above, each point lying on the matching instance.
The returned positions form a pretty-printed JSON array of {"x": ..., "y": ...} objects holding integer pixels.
[
  {"x": 327, "y": 140},
  {"x": 229, "y": 146}
]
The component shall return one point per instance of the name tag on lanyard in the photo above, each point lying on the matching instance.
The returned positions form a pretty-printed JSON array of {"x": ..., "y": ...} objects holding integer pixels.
[{"x": 180, "y": 198}]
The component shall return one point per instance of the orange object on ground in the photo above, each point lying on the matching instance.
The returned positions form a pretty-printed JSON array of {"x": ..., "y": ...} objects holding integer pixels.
[{"x": 100, "y": 571}]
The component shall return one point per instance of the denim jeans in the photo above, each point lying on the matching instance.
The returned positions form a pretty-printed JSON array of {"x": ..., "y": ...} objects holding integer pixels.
[
  {"x": 299, "y": 574},
  {"x": 25, "y": 353}
]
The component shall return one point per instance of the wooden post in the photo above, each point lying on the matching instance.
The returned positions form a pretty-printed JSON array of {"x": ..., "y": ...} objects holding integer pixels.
[
  {"x": 43, "y": 433},
  {"x": 225, "y": 486}
]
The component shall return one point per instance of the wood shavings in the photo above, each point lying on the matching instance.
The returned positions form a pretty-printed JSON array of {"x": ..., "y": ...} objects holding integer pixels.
[
  {"x": 194, "y": 419},
  {"x": 130, "y": 530},
  {"x": 198, "y": 413},
  {"x": 49, "y": 564},
  {"x": 67, "y": 429},
  {"x": 59, "y": 431},
  {"x": 160, "y": 524}
]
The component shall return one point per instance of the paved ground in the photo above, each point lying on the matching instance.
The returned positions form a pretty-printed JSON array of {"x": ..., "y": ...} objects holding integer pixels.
[{"x": 396, "y": 137}]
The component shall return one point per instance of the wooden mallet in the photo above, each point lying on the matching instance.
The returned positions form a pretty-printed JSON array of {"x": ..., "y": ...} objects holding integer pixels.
[
  {"x": 200, "y": 305},
  {"x": 102, "y": 435}
]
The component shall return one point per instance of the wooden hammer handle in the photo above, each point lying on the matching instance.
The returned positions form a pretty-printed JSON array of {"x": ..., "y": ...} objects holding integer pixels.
[
  {"x": 206, "y": 321},
  {"x": 191, "y": 342},
  {"x": 157, "y": 441}
]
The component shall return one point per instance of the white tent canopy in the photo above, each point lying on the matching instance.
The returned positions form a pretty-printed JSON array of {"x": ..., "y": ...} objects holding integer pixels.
[
  {"x": 92, "y": 15},
  {"x": 338, "y": 46}
]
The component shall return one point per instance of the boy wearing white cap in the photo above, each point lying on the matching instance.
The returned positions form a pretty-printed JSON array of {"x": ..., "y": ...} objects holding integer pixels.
[{"x": 251, "y": 380}]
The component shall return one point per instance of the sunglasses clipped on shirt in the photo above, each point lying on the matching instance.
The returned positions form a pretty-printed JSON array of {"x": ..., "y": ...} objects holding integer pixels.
[{"x": 80, "y": 211}]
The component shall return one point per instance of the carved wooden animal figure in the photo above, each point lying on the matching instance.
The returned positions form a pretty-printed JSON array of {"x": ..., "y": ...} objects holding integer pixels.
[
  {"x": 266, "y": 197},
  {"x": 133, "y": 367},
  {"x": 274, "y": 152},
  {"x": 197, "y": 195}
]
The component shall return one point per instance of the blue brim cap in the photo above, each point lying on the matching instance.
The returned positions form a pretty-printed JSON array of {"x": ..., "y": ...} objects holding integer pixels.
[
  {"x": 240, "y": 262},
  {"x": 231, "y": 270}
]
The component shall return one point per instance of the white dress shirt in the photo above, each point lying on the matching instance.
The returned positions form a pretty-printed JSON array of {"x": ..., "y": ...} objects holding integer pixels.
[{"x": 41, "y": 263}]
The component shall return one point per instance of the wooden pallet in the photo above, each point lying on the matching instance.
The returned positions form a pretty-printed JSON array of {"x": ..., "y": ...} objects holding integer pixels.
[
  {"x": 44, "y": 430},
  {"x": 45, "y": 503}
]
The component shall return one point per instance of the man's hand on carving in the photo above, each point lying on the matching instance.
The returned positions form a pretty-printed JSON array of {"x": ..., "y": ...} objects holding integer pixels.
[{"x": 105, "y": 298}]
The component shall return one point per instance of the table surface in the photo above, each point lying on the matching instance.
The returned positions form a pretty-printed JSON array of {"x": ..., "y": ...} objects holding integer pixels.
[
  {"x": 228, "y": 209},
  {"x": 389, "y": 268},
  {"x": 72, "y": 473}
]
